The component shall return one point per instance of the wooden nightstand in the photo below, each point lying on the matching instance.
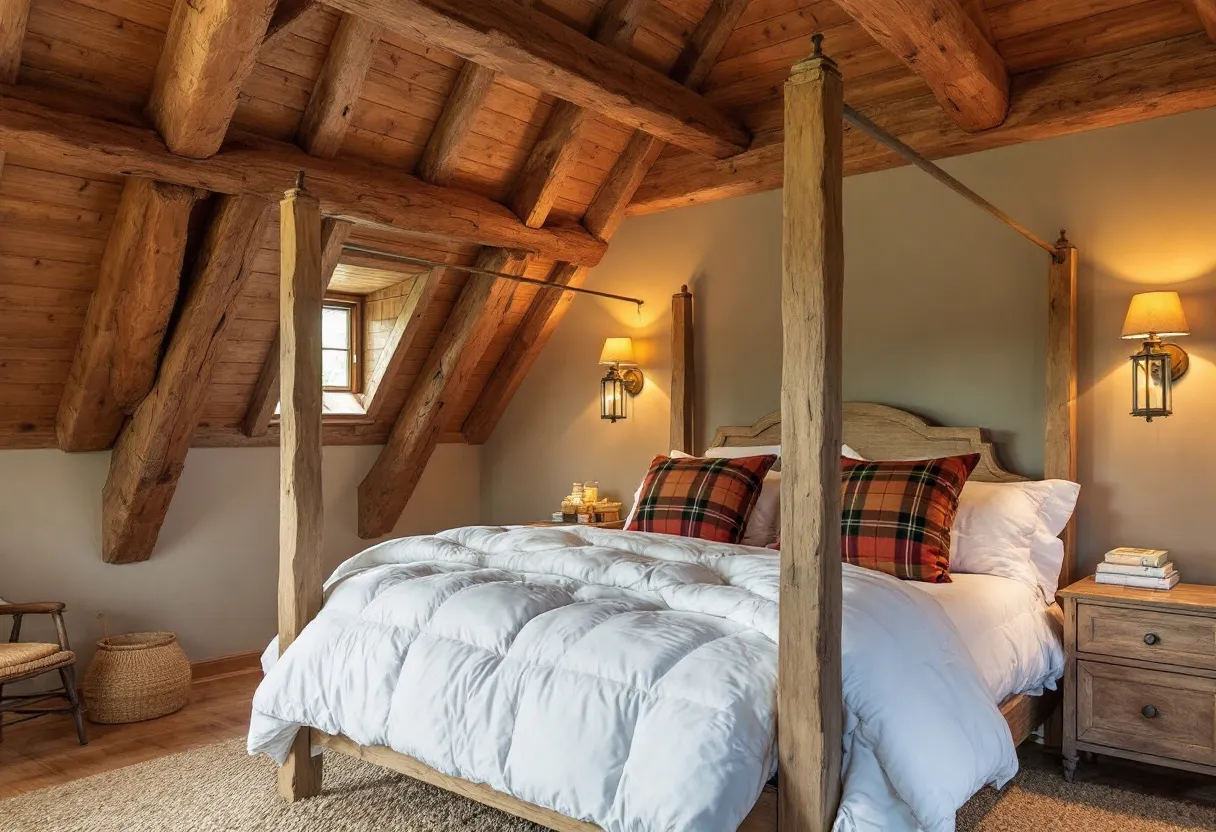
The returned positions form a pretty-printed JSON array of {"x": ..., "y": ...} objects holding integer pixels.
[{"x": 1140, "y": 678}]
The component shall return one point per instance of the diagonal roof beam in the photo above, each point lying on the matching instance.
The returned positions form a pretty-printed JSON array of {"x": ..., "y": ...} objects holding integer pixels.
[
  {"x": 400, "y": 338},
  {"x": 1207, "y": 14},
  {"x": 944, "y": 46},
  {"x": 14, "y": 16},
  {"x": 209, "y": 51},
  {"x": 333, "y": 98},
  {"x": 602, "y": 219},
  {"x": 539, "y": 50}
]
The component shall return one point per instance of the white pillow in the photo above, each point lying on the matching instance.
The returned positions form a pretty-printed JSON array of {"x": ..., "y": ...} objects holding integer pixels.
[{"x": 1010, "y": 529}]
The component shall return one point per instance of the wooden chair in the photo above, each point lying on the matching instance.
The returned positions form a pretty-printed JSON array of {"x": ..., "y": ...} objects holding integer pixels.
[{"x": 25, "y": 660}]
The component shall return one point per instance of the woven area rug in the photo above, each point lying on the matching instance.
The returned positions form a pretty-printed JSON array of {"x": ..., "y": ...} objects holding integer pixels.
[{"x": 220, "y": 788}]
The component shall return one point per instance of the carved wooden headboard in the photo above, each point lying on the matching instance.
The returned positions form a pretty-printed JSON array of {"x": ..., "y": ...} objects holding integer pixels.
[{"x": 879, "y": 432}]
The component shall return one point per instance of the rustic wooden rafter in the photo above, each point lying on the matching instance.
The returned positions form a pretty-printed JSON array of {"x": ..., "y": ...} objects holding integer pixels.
[
  {"x": 940, "y": 42},
  {"x": 400, "y": 338},
  {"x": 333, "y": 98},
  {"x": 602, "y": 218},
  {"x": 117, "y": 355},
  {"x": 1159, "y": 79},
  {"x": 366, "y": 194},
  {"x": 14, "y": 17},
  {"x": 209, "y": 51},
  {"x": 1207, "y": 14},
  {"x": 260, "y": 411},
  {"x": 151, "y": 450},
  {"x": 537, "y": 49}
]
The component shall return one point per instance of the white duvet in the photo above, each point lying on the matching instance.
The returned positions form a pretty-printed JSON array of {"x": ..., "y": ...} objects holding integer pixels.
[{"x": 627, "y": 679}]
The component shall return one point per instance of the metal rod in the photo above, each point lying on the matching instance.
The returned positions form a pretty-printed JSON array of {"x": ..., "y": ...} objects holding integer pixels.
[
  {"x": 422, "y": 261},
  {"x": 909, "y": 155}
]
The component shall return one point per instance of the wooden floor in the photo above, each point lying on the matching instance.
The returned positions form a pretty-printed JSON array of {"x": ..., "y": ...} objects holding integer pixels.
[{"x": 45, "y": 753}]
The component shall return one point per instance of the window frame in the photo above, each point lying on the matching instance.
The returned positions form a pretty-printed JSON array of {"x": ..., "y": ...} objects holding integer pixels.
[{"x": 354, "y": 304}]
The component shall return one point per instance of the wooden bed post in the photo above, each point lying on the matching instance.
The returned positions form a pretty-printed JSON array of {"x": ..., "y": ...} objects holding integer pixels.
[
  {"x": 681, "y": 371},
  {"x": 812, "y": 289},
  {"x": 1060, "y": 441},
  {"x": 301, "y": 293}
]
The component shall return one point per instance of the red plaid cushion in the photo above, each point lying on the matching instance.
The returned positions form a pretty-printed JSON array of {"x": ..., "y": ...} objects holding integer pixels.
[
  {"x": 706, "y": 498},
  {"x": 896, "y": 516}
]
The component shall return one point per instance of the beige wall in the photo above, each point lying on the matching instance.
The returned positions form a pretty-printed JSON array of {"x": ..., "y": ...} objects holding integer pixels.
[
  {"x": 212, "y": 579},
  {"x": 944, "y": 315}
]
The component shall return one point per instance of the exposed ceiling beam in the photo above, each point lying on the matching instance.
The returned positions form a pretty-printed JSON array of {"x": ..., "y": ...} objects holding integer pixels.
[
  {"x": 1207, "y": 14},
  {"x": 942, "y": 44},
  {"x": 14, "y": 16},
  {"x": 544, "y": 52},
  {"x": 363, "y": 193},
  {"x": 333, "y": 98},
  {"x": 400, "y": 338},
  {"x": 265, "y": 398},
  {"x": 1159, "y": 79},
  {"x": 389, "y": 484},
  {"x": 151, "y": 450},
  {"x": 288, "y": 14},
  {"x": 602, "y": 219},
  {"x": 209, "y": 51},
  {"x": 116, "y": 358},
  {"x": 558, "y": 147}
]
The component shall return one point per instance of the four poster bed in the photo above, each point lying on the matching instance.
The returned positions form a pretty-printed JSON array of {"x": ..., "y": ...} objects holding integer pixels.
[{"x": 797, "y": 656}]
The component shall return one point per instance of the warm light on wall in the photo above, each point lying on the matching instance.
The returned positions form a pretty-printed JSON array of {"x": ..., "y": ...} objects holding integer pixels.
[
  {"x": 618, "y": 353},
  {"x": 1150, "y": 316}
]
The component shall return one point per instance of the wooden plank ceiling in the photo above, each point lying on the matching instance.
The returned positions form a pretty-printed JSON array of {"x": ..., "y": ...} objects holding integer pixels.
[{"x": 407, "y": 115}]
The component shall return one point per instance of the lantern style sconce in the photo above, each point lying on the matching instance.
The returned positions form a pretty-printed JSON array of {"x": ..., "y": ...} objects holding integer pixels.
[
  {"x": 618, "y": 354},
  {"x": 1151, "y": 316}
]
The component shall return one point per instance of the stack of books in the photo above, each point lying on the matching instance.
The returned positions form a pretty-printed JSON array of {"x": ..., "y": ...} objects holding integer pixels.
[{"x": 1143, "y": 568}]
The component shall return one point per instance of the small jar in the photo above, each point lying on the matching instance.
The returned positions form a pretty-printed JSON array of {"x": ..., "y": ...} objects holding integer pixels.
[{"x": 591, "y": 492}]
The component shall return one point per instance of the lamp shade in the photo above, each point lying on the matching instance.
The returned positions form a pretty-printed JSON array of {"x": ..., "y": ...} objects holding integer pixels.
[
  {"x": 1155, "y": 313},
  {"x": 618, "y": 351}
]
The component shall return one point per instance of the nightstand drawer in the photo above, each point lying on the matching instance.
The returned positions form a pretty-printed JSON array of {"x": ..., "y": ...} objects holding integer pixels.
[
  {"x": 1167, "y": 637},
  {"x": 1151, "y": 711}
]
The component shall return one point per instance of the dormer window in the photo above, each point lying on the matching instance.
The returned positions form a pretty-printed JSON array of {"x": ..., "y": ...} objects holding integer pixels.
[{"x": 340, "y": 329}]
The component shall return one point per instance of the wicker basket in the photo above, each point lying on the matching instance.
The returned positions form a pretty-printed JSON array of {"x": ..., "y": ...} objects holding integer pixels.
[{"x": 135, "y": 677}]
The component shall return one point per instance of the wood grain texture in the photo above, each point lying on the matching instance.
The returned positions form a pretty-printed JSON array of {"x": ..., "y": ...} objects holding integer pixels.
[
  {"x": 483, "y": 302},
  {"x": 1165, "y": 636},
  {"x": 333, "y": 98},
  {"x": 1207, "y": 14},
  {"x": 683, "y": 372},
  {"x": 116, "y": 357},
  {"x": 1060, "y": 440},
  {"x": 366, "y": 194},
  {"x": 447, "y": 140},
  {"x": 301, "y": 507},
  {"x": 209, "y": 51},
  {"x": 558, "y": 147},
  {"x": 942, "y": 44},
  {"x": 334, "y": 234},
  {"x": 400, "y": 338},
  {"x": 14, "y": 17},
  {"x": 151, "y": 450},
  {"x": 809, "y": 695},
  {"x": 288, "y": 16},
  {"x": 538, "y": 50},
  {"x": 1143, "y": 82}
]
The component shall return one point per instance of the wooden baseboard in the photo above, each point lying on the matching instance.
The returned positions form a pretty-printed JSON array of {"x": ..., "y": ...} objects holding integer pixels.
[{"x": 226, "y": 666}]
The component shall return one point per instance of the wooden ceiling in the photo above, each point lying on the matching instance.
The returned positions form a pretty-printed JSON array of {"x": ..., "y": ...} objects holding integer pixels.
[{"x": 142, "y": 142}]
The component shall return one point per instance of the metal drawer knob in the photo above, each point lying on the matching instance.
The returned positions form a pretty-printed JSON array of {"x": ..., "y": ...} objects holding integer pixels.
[
  {"x": 1149, "y": 712},
  {"x": 1151, "y": 639}
]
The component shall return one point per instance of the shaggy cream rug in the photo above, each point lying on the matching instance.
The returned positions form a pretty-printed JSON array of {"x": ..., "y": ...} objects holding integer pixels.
[{"x": 220, "y": 789}]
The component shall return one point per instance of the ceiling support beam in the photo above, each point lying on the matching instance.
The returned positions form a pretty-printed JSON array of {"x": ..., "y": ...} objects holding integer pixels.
[
  {"x": 14, "y": 17},
  {"x": 943, "y": 45},
  {"x": 151, "y": 450},
  {"x": 1144, "y": 82},
  {"x": 389, "y": 484},
  {"x": 333, "y": 99},
  {"x": 209, "y": 51},
  {"x": 265, "y": 398},
  {"x": 558, "y": 146},
  {"x": 64, "y": 134},
  {"x": 602, "y": 219},
  {"x": 544, "y": 52},
  {"x": 1207, "y": 14},
  {"x": 400, "y": 338},
  {"x": 119, "y": 349}
]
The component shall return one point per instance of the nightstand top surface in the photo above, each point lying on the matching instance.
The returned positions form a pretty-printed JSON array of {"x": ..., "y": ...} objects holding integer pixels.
[{"x": 1199, "y": 597}]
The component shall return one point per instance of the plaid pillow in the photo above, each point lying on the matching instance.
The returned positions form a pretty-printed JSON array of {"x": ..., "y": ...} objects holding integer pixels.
[
  {"x": 706, "y": 498},
  {"x": 896, "y": 516}
]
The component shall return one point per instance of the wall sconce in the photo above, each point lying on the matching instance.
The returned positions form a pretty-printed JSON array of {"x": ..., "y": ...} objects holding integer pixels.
[
  {"x": 1159, "y": 364},
  {"x": 618, "y": 354}
]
